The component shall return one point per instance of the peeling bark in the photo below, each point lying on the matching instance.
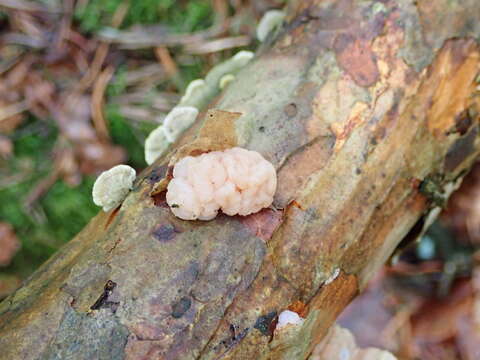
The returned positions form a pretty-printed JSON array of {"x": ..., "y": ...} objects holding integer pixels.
[{"x": 358, "y": 104}]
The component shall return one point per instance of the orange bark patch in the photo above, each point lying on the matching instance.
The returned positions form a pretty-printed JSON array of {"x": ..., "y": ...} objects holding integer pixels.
[
  {"x": 454, "y": 74},
  {"x": 356, "y": 118},
  {"x": 356, "y": 58},
  {"x": 299, "y": 307}
]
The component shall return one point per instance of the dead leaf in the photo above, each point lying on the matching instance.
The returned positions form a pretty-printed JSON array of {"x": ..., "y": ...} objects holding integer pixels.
[
  {"x": 6, "y": 147},
  {"x": 8, "y": 284},
  {"x": 340, "y": 344},
  {"x": 9, "y": 243}
]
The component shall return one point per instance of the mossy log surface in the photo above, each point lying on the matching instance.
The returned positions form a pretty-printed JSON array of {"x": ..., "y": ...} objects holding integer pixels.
[{"x": 368, "y": 110}]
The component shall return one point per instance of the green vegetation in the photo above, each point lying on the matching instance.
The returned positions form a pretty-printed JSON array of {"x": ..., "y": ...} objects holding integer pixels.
[
  {"x": 57, "y": 216},
  {"x": 178, "y": 16}
]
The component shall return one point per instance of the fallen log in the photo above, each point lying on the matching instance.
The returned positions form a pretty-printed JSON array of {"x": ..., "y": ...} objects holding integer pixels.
[{"x": 369, "y": 112}]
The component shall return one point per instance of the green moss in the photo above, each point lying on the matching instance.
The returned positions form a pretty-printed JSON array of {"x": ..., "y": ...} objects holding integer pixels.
[
  {"x": 55, "y": 218},
  {"x": 179, "y": 17}
]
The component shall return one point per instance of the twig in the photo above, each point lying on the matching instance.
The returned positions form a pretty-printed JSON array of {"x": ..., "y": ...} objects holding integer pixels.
[
  {"x": 155, "y": 36},
  {"x": 24, "y": 5},
  {"x": 171, "y": 69},
  {"x": 217, "y": 45},
  {"x": 102, "y": 51},
  {"x": 13, "y": 109},
  {"x": 98, "y": 103}
]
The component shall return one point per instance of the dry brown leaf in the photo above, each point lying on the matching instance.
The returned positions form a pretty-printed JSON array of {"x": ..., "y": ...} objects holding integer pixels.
[
  {"x": 8, "y": 284},
  {"x": 11, "y": 116},
  {"x": 95, "y": 157},
  {"x": 437, "y": 320},
  {"x": 462, "y": 214},
  {"x": 98, "y": 103},
  {"x": 6, "y": 147},
  {"x": 339, "y": 344},
  {"x": 9, "y": 243}
]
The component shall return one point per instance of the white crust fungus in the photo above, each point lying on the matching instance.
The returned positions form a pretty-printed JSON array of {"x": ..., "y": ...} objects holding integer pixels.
[
  {"x": 155, "y": 145},
  {"x": 112, "y": 186},
  {"x": 194, "y": 87},
  {"x": 242, "y": 58},
  {"x": 198, "y": 94},
  {"x": 225, "y": 80},
  {"x": 236, "y": 181},
  {"x": 270, "y": 20},
  {"x": 178, "y": 120},
  {"x": 288, "y": 317}
]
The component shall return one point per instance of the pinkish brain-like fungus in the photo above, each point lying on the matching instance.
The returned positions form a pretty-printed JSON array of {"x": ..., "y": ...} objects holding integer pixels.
[{"x": 236, "y": 181}]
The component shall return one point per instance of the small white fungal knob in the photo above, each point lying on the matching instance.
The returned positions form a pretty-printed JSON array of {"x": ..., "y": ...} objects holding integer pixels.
[
  {"x": 225, "y": 80},
  {"x": 242, "y": 58},
  {"x": 112, "y": 186},
  {"x": 287, "y": 317},
  {"x": 270, "y": 20}
]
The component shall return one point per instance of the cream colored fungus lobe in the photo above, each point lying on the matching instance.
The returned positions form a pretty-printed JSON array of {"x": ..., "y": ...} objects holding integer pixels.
[{"x": 236, "y": 181}]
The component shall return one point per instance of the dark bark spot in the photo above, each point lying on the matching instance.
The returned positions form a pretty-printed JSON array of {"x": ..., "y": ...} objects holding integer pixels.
[
  {"x": 181, "y": 307},
  {"x": 235, "y": 336},
  {"x": 165, "y": 233},
  {"x": 291, "y": 110},
  {"x": 264, "y": 323},
  {"x": 463, "y": 122},
  {"x": 460, "y": 150},
  {"x": 432, "y": 188},
  {"x": 412, "y": 235},
  {"x": 157, "y": 174},
  {"x": 301, "y": 19},
  {"x": 102, "y": 301}
]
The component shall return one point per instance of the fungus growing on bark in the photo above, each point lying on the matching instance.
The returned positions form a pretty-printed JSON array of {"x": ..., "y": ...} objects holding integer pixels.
[
  {"x": 178, "y": 120},
  {"x": 236, "y": 181},
  {"x": 288, "y": 317},
  {"x": 199, "y": 93},
  {"x": 193, "y": 89},
  {"x": 112, "y": 186},
  {"x": 270, "y": 20},
  {"x": 225, "y": 80},
  {"x": 155, "y": 145},
  {"x": 230, "y": 66}
]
